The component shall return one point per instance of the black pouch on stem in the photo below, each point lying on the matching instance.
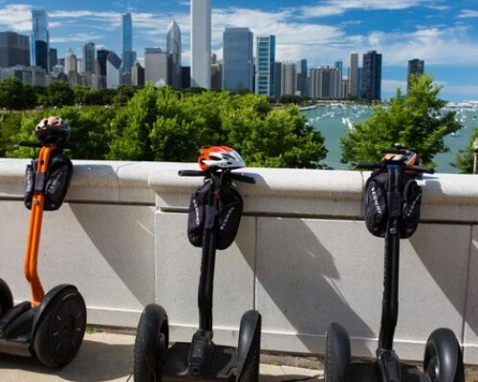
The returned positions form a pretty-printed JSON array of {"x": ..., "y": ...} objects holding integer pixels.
[
  {"x": 229, "y": 216},
  {"x": 29, "y": 188},
  {"x": 197, "y": 214},
  {"x": 60, "y": 171},
  {"x": 375, "y": 202},
  {"x": 412, "y": 200}
]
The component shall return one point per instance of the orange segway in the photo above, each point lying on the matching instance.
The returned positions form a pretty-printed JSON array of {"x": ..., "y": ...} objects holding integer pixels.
[{"x": 51, "y": 326}]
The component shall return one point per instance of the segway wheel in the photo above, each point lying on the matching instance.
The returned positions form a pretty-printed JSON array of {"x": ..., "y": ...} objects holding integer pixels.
[
  {"x": 6, "y": 298},
  {"x": 250, "y": 368},
  {"x": 337, "y": 354},
  {"x": 443, "y": 357},
  {"x": 151, "y": 342},
  {"x": 60, "y": 333}
]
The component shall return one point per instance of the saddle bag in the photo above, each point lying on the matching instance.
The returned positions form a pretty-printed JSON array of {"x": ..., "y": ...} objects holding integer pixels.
[
  {"x": 225, "y": 219},
  {"x": 377, "y": 208},
  {"x": 54, "y": 184}
]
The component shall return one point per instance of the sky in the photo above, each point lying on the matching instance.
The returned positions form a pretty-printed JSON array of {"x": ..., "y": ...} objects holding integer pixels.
[{"x": 443, "y": 33}]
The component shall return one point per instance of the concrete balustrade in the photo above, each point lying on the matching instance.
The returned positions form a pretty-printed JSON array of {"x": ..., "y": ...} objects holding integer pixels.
[{"x": 303, "y": 256}]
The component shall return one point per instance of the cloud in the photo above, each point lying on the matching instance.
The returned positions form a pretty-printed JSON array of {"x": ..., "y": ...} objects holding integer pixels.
[
  {"x": 467, "y": 13},
  {"x": 16, "y": 17},
  {"x": 78, "y": 37},
  {"x": 391, "y": 86},
  {"x": 338, "y": 7}
]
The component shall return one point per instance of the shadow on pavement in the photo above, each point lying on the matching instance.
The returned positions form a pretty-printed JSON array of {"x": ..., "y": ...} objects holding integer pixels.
[{"x": 95, "y": 362}]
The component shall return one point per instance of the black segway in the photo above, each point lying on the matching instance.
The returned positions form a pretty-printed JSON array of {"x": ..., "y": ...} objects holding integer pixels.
[
  {"x": 52, "y": 325},
  {"x": 392, "y": 200},
  {"x": 213, "y": 207}
]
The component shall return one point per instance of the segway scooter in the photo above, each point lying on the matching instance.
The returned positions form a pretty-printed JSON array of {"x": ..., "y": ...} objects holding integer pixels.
[
  {"x": 392, "y": 200},
  {"x": 214, "y": 206},
  {"x": 51, "y": 326}
]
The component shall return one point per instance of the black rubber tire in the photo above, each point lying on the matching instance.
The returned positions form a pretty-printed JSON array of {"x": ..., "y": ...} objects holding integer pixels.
[
  {"x": 60, "y": 333},
  {"x": 6, "y": 298},
  {"x": 250, "y": 370},
  {"x": 337, "y": 354},
  {"x": 152, "y": 338},
  {"x": 443, "y": 357}
]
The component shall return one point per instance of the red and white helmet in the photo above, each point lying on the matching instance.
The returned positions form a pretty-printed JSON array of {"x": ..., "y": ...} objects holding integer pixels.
[
  {"x": 220, "y": 157},
  {"x": 52, "y": 126}
]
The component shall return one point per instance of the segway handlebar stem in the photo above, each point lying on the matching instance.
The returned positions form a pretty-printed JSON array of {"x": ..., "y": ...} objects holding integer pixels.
[{"x": 38, "y": 145}]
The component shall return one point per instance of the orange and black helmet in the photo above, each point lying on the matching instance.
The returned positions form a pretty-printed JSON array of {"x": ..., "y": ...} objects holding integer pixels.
[
  {"x": 221, "y": 157},
  {"x": 52, "y": 126}
]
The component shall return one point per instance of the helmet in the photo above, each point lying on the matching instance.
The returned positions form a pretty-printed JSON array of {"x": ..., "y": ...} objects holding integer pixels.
[
  {"x": 408, "y": 158},
  {"x": 221, "y": 157},
  {"x": 52, "y": 126}
]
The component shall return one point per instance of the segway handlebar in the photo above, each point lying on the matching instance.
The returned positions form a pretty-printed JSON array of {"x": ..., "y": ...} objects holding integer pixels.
[
  {"x": 239, "y": 177},
  {"x": 37, "y": 145},
  {"x": 383, "y": 166}
]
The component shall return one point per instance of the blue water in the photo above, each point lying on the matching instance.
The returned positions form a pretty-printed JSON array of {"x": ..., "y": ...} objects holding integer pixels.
[{"x": 332, "y": 122}]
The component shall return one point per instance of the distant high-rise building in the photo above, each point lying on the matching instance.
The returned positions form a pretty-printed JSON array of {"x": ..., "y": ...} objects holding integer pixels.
[
  {"x": 71, "y": 62},
  {"x": 40, "y": 39},
  {"x": 216, "y": 75},
  {"x": 345, "y": 89},
  {"x": 156, "y": 67},
  {"x": 185, "y": 77},
  {"x": 289, "y": 78},
  {"x": 137, "y": 74},
  {"x": 353, "y": 76},
  {"x": 128, "y": 55},
  {"x": 238, "y": 59},
  {"x": 277, "y": 88},
  {"x": 102, "y": 56},
  {"x": 53, "y": 57},
  {"x": 173, "y": 42},
  {"x": 89, "y": 57},
  {"x": 360, "y": 83},
  {"x": 113, "y": 70},
  {"x": 201, "y": 44},
  {"x": 415, "y": 67},
  {"x": 14, "y": 49},
  {"x": 265, "y": 58},
  {"x": 372, "y": 76},
  {"x": 325, "y": 83},
  {"x": 302, "y": 78}
]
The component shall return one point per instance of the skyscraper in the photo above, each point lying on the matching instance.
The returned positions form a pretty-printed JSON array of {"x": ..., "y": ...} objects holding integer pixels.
[
  {"x": 353, "y": 76},
  {"x": 289, "y": 79},
  {"x": 137, "y": 74},
  {"x": 415, "y": 67},
  {"x": 71, "y": 63},
  {"x": 302, "y": 78},
  {"x": 201, "y": 44},
  {"x": 113, "y": 70},
  {"x": 40, "y": 39},
  {"x": 102, "y": 56},
  {"x": 277, "y": 88},
  {"x": 14, "y": 49},
  {"x": 174, "y": 50},
  {"x": 325, "y": 83},
  {"x": 53, "y": 57},
  {"x": 156, "y": 67},
  {"x": 265, "y": 56},
  {"x": 89, "y": 57},
  {"x": 238, "y": 59},
  {"x": 372, "y": 76},
  {"x": 128, "y": 55}
]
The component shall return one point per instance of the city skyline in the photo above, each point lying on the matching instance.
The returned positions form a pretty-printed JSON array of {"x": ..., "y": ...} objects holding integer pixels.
[{"x": 437, "y": 32}]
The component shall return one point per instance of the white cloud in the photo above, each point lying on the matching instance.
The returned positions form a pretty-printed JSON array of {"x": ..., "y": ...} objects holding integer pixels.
[
  {"x": 338, "y": 7},
  {"x": 467, "y": 13},
  {"x": 78, "y": 37},
  {"x": 391, "y": 86},
  {"x": 16, "y": 17}
]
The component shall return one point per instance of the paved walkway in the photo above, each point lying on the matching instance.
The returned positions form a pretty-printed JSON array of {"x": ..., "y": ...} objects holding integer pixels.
[{"x": 109, "y": 358}]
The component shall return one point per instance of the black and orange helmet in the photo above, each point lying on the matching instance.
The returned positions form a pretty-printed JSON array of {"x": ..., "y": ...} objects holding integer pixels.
[
  {"x": 52, "y": 126},
  {"x": 221, "y": 157}
]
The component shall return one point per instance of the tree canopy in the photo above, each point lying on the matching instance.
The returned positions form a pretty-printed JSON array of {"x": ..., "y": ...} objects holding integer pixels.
[{"x": 415, "y": 120}]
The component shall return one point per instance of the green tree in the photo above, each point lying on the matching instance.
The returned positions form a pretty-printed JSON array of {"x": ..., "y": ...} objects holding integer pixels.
[
  {"x": 465, "y": 157},
  {"x": 415, "y": 120},
  {"x": 59, "y": 94},
  {"x": 13, "y": 95},
  {"x": 123, "y": 94}
]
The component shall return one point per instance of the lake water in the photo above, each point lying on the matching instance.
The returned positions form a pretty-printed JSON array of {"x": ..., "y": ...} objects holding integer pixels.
[{"x": 333, "y": 122}]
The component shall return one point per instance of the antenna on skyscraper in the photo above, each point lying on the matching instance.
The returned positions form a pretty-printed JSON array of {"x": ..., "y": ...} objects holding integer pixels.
[{"x": 129, "y": 6}]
